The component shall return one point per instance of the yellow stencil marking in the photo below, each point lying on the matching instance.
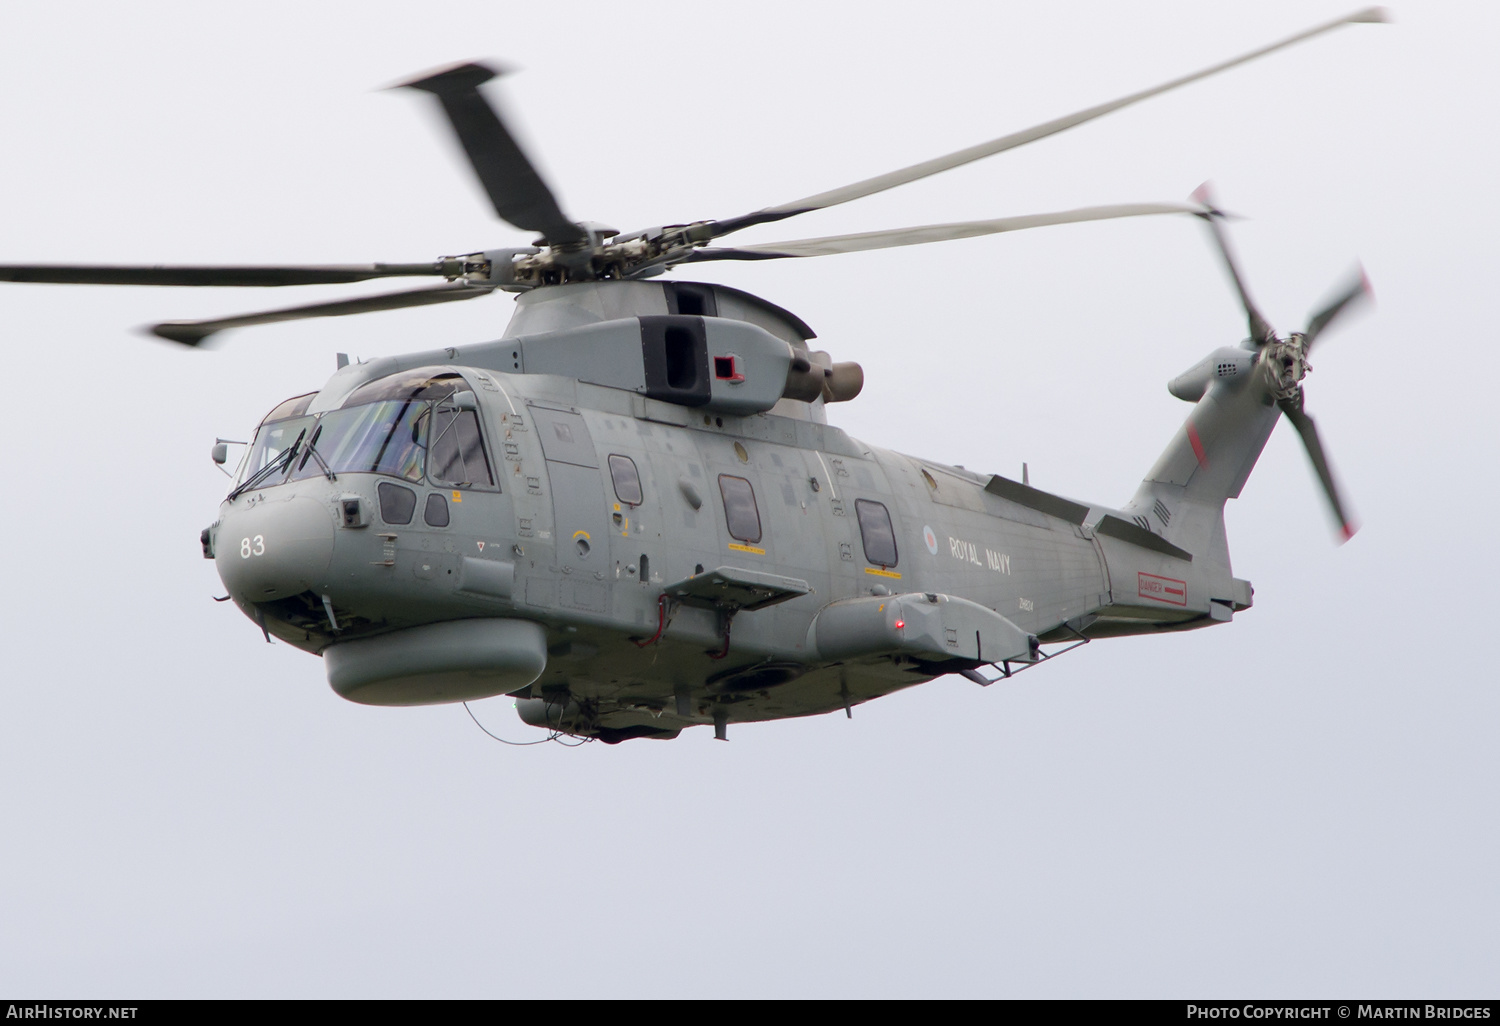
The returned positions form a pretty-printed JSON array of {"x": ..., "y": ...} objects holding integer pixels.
[
  {"x": 458, "y": 497},
  {"x": 746, "y": 548},
  {"x": 882, "y": 573},
  {"x": 583, "y": 533}
]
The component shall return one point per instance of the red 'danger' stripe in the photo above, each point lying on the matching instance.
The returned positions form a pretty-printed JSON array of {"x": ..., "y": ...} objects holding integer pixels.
[{"x": 1161, "y": 589}]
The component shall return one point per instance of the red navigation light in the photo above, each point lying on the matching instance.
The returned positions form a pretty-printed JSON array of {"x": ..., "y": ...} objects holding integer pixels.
[{"x": 900, "y": 624}]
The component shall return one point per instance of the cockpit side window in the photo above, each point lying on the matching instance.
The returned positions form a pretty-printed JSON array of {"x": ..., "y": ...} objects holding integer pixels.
[{"x": 456, "y": 455}]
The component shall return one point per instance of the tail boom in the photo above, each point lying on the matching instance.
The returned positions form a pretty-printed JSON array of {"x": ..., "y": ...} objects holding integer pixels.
[{"x": 1166, "y": 550}]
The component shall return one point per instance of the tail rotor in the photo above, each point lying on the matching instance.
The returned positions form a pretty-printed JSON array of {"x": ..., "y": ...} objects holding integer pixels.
[{"x": 1282, "y": 362}]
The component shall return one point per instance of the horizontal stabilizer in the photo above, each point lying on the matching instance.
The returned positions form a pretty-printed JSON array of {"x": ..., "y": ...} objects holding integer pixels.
[
  {"x": 1125, "y": 531},
  {"x": 1035, "y": 498}
]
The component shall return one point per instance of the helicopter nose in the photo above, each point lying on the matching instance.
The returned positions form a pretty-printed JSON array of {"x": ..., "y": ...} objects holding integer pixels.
[{"x": 274, "y": 549}]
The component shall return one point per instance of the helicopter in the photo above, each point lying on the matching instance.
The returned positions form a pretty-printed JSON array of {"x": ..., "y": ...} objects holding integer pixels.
[{"x": 630, "y": 513}]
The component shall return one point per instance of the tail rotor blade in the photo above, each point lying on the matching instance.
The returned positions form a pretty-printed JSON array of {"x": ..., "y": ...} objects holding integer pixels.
[
  {"x": 1357, "y": 289},
  {"x": 191, "y": 333},
  {"x": 518, "y": 193},
  {"x": 1308, "y": 430},
  {"x": 1260, "y": 329}
]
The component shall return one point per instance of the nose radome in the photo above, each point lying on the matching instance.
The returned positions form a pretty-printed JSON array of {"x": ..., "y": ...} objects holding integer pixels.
[{"x": 274, "y": 549}]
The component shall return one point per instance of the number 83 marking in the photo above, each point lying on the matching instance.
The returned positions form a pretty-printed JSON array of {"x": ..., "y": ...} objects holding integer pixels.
[{"x": 253, "y": 546}]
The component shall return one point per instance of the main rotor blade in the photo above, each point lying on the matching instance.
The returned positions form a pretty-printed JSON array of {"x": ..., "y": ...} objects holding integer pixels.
[
  {"x": 193, "y": 332},
  {"x": 237, "y": 275},
  {"x": 1260, "y": 329},
  {"x": 880, "y": 183},
  {"x": 1358, "y": 288},
  {"x": 1314, "y": 446},
  {"x": 518, "y": 193},
  {"x": 832, "y": 244}
]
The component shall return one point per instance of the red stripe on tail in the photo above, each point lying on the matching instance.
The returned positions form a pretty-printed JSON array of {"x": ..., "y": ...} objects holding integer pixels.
[{"x": 1197, "y": 444}]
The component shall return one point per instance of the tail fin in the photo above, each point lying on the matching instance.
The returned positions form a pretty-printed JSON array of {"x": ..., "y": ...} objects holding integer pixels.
[{"x": 1210, "y": 457}]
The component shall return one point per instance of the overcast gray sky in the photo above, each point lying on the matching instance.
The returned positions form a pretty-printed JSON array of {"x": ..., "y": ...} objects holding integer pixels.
[{"x": 1302, "y": 803}]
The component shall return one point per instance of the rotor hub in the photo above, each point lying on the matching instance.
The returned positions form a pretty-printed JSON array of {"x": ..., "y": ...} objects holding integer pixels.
[{"x": 1285, "y": 361}]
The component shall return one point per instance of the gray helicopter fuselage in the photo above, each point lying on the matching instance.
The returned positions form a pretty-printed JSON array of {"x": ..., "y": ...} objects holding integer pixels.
[{"x": 681, "y": 565}]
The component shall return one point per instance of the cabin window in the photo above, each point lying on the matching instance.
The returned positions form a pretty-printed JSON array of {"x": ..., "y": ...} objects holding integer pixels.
[
  {"x": 436, "y": 513},
  {"x": 456, "y": 455},
  {"x": 627, "y": 480},
  {"x": 876, "y": 531},
  {"x": 739, "y": 508},
  {"x": 396, "y": 503}
]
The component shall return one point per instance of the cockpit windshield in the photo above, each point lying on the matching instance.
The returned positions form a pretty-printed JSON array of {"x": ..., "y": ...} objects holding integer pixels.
[
  {"x": 388, "y": 437},
  {"x": 279, "y": 430},
  {"x": 383, "y": 427}
]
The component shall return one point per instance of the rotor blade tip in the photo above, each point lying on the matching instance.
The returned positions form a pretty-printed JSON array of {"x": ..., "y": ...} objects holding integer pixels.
[
  {"x": 1364, "y": 283},
  {"x": 1348, "y": 530},
  {"x": 460, "y": 76},
  {"x": 1204, "y": 197},
  {"x": 182, "y": 332},
  {"x": 1372, "y": 15}
]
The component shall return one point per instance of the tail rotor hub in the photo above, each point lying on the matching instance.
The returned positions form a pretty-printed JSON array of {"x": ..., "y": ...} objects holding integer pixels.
[{"x": 1285, "y": 363}]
